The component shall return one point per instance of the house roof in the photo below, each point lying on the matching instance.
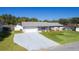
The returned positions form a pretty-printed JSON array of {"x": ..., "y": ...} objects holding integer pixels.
[{"x": 38, "y": 24}]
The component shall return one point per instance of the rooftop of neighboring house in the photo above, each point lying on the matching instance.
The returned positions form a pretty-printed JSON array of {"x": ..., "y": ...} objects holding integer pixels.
[{"x": 38, "y": 24}]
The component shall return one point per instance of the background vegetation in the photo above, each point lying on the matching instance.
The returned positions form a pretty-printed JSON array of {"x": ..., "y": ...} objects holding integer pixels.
[{"x": 10, "y": 19}]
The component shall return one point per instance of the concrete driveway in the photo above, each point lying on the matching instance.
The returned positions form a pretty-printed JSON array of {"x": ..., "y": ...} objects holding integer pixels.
[{"x": 34, "y": 41}]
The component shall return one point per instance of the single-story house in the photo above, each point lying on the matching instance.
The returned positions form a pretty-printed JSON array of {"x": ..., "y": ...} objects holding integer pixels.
[{"x": 39, "y": 26}]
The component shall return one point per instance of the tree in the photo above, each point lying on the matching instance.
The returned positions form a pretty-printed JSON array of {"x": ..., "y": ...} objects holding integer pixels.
[
  {"x": 34, "y": 19},
  {"x": 46, "y": 20},
  {"x": 64, "y": 21},
  {"x": 75, "y": 20},
  {"x": 8, "y": 19}
]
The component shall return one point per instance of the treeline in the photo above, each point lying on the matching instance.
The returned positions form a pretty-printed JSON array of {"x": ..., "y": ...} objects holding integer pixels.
[
  {"x": 10, "y": 19},
  {"x": 65, "y": 21},
  {"x": 74, "y": 20}
]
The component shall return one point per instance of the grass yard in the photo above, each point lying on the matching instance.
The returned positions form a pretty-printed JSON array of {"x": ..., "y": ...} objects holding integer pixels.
[
  {"x": 62, "y": 37},
  {"x": 18, "y": 32},
  {"x": 8, "y": 45}
]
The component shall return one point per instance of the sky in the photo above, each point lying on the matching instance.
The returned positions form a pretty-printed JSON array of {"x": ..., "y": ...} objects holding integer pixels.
[{"x": 42, "y": 13}]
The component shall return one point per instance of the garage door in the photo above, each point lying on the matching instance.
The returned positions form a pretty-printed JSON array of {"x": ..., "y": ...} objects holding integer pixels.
[{"x": 30, "y": 30}]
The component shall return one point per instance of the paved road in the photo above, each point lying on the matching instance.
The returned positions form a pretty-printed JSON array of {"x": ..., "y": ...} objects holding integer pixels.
[
  {"x": 34, "y": 41},
  {"x": 67, "y": 47}
]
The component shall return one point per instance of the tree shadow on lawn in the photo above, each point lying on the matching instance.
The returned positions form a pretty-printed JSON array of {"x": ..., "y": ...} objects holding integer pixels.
[{"x": 61, "y": 34}]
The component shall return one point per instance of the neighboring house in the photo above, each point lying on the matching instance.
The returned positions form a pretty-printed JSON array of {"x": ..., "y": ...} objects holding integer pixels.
[
  {"x": 39, "y": 26},
  {"x": 72, "y": 27}
]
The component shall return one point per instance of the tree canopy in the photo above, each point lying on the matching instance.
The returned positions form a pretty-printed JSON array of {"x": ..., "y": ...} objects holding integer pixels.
[
  {"x": 10, "y": 19},
  {"x": 74, "y": 20}
]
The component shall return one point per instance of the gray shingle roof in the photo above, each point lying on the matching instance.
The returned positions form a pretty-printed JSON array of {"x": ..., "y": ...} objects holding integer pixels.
[{"x": 38, "y": 24}]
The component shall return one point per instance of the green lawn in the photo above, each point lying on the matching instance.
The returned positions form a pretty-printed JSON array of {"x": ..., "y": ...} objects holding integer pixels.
[
  {"x": 8, "y": 45},
  {"x": 18, "y": 32},
  {"x": 62, "y": 37}
]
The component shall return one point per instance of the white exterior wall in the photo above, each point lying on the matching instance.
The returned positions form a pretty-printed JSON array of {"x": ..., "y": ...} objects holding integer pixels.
[
  {"x": 57, "y": 28},
  {"x": 61, "y": 28},
  {"x": 18, "y": 28},
  {"x": 77, "y": 29}
]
